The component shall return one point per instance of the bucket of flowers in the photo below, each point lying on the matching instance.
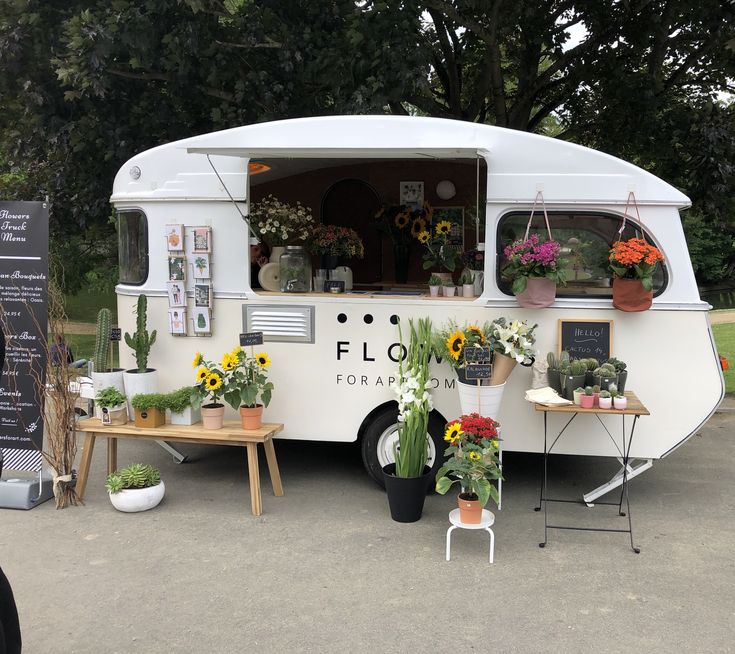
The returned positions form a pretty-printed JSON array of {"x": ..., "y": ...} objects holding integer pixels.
[
  {"x": 208, "y": 391},
  {"x": 247, "y": 383},
  {"x": 440, "y": 252},
  {"x": 472, "y": 461},
  {"x": 333, "y": 242},
  {"x": 512, "y": 342},
  {"x": 402, "y": 224},
  {"x": 633, "y": 263},
  {"x": 279, "y": 223},
  {"x": 534, "y": 269}
]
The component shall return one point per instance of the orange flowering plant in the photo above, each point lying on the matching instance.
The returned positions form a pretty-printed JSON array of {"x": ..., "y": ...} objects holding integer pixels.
[{"x": 635, "y": 259}]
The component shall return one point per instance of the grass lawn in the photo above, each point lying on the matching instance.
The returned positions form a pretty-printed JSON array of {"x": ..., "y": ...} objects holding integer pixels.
[
  {"x": 725, "y": 339},
  {"x": 83, "y": 306},
  {"x": 82, "y": 347}
]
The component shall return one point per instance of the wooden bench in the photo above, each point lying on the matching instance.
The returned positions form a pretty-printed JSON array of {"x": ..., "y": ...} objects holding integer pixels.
[{"x": 231, "y": 434}]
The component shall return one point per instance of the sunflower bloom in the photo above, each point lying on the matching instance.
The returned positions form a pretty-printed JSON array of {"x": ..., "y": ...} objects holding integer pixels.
[
  {"x": 443, "y": 228},
  {"x": 418, "y": 226},
  {"x": 197, "y": 360},
  {"x": 455, "y": 343},
  {"x": 202, "y": 373},
  {"x": 214, "y": 381},
  {"x": 477, "y": 332},
  {"x": 475, "y": 456},
  {"x": 423, "y": 237},
  {"x": 229, "y": 361},
  {"x": 453, "y": 432},
  {"x": 263, "y": 360},
  {"x": 401, "y": 220}
]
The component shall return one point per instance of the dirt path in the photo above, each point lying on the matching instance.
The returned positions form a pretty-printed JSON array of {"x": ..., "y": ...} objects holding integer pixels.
[
  {"x": 721, "y": 316},
  {"x": 80, "y": 327}
]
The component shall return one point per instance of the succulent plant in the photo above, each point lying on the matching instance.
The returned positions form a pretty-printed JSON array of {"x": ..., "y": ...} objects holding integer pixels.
[
  {"x": 578, "y": 367},
  {"x": 588, "y": 390},
  {"x": 605, "y": 394},
  {"x": 579, "y": 389},
  {"x": 596, "y": 388},
  {"x": 564, "y": 358},
  {"x": 612, "y": 387},
  {"x": 592, "y": 364},
  {"x": 137, "y": 475}
]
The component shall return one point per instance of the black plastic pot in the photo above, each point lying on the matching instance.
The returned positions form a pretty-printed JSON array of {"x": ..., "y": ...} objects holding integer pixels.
[
  {"x": 569, "y": 383},
  {"x": 554, "y": 377},
  {"x": 406, "y": 495},
  {"x": 622, "y": 378}
]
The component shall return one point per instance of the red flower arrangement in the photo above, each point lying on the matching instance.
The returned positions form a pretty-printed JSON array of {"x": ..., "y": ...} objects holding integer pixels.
[
  {"x": 472, "y": 428},
  {"x": 336, "y": 241}
]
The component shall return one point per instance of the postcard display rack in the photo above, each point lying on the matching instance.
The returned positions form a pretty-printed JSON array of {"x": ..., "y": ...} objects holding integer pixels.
[{"x": 189, "y": 285}]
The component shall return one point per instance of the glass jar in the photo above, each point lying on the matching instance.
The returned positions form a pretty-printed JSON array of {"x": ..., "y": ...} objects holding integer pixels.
[{"x": 295, "y": 270}]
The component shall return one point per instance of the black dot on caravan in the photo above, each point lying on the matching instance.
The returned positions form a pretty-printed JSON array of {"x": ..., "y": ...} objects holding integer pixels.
[
  {"x": 368, "y": 318},
  {"x": 342, "y": 318},
  {"x": 394, "y": 319}
]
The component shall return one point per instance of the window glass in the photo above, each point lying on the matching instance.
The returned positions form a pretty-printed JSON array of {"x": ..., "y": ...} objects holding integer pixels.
[
  {"x": 132, "y": 242},
  {"x": 585, "y": 240}
]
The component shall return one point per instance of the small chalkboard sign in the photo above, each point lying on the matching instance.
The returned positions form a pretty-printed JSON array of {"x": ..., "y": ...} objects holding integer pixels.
[
  {"x": 478, "y": 371},
  {"x": 330, "y": 284},
  {"x": 251, "y": 338},
  {"x": 476, "y": 354},
  {"x": 585, "y": 339},
  {"x": 116, "y": 334}
]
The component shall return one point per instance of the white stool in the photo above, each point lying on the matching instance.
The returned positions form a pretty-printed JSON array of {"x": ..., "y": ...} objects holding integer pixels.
[{"x": 486, "y": 521}]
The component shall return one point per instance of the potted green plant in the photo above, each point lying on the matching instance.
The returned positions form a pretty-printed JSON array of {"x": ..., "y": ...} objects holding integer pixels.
[
  {"x": 534, "y": 269},
  {"x": 407, "y": 480},
  {"x": 472, "y": 461},
  {"x": 150, "y": 409},
  {"x": 621, "y": 369},
  {"x": 210, "y": 388},
  {"x": 247, "y": 387},
  {"x": 449, "y": 288},
  {"x": 103, "y": 374},
  {"x": 467, "y": 282},
  {"x": 141, "y": 379},
  {"x": 592, "y": 365},
  {"x": 574, "y": 376},
  {"x": 435, "y": 284},
  {"x": 605, "y": 375},
  {"x": 578, "y": 392},
  {"x": 605, "y": 400},
  {"x": 587, "y": 401},
  {"x": 182, "y": 412},
  {"x": 137, "y": 487},
  {"x": 112, "y": 406},
  {"x": 553, "y": 372}
]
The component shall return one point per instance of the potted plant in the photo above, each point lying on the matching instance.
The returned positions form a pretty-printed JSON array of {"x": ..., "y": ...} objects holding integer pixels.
[
  {"x": 246, "y": 383},
  {"x": 138, "y": 487},
  {"x": 553, "y": 372},
  {"x": 534, "y": 269},
  {"x": 141, "y": 379},
  {"x": 587, "y": 401},
  {"x": 592, "y": 364},
  {"x": 449, "y": 288},
  {"x": 402, "y": 224},
  {"x": 150, "y": 409},
  {"x": 467, "y": 282},
  {"x": 210, "y": 388},
  {"x": 333, "y": 243},
  {"x": 474, "y": 261},
  {"x": 112, "y": 405},
  {"x": 621, "y": 369},
  {"x": 633, "y": 263},
  {"x": 440, "y": 253},
  {"x": 512, "y": 342},
  {"x": 178, "y": 403},
  {"x": 605, "y": 400},
  {"x": 574, "y": 376},
  {"x": 604, "y": 376},
  {"x": 103, "y": 374},
  {"x": 578, "y": 392},
  {"x": 620, "y": 401},
  {"x": 279, "y": 223},
  {"x": 595, "y": 394},
  {"x": 472, "y": 461},
  {"x": 435, "y": 283},
  {"x": 407, "y": 480}
]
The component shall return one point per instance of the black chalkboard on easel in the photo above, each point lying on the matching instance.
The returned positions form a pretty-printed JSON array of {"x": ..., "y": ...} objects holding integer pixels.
[{"x": 586, "y": 338}]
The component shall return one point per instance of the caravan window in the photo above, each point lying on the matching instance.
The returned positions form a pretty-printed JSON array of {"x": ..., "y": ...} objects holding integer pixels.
[
  {"x": 132, "y": 242},
  {"x": 585, "y": 239}
]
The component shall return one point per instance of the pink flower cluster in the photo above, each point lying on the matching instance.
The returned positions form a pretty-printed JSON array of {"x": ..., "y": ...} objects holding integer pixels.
[{"x": 531, "y": 251}]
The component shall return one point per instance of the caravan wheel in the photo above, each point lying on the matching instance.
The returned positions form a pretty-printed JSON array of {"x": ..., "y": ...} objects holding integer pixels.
[{"x": 381, "y": 435}]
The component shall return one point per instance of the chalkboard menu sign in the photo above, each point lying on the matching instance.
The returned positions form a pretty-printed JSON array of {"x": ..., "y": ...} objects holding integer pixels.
[
  {"x": 23, "y": 319},
  {"x": 478, "y": 371},
  {"x": 477, "y": 354},
  {"x": 585, "y": 339},
  {"x": 115, "y": 334},
  {"x": 251, "y": 338}
]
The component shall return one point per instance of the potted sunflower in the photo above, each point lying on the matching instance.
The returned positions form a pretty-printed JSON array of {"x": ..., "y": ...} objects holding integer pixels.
[
  {"x": 247, "y": 382},
  {"x": 209, "y": 389}
]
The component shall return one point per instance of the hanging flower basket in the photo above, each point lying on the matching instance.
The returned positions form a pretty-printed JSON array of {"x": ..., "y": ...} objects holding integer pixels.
[{"x": 631, "y": 295}]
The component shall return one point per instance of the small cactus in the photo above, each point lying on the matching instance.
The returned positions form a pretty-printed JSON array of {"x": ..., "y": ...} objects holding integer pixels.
[
  {"x": 552, "y": 361},
  {"x": 564, "y": 358},
  {"x": 596, "y": 388},
  {"x": 140, "y": 341},
  {"x": 612, "y": 387},
  {"x": 102, "y": 341},
  {"x": 605, "y": 394},
  {"x": 592, "y": 364},
  {"x": 588, "y": 390},
  {"x": 578, "y": 367}
]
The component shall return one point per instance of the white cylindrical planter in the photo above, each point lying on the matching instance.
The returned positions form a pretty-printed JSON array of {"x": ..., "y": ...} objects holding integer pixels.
[
  {"x": 137, "y": 383},
  {"x": 468, "y": 290},
  {"x": 189, "y": 416},
  {"x": 102, "y": 380},
  {"x": 478, "y": 281},
  {"x": 484, "y": 400},
  {"x": 132, "y": 500}
]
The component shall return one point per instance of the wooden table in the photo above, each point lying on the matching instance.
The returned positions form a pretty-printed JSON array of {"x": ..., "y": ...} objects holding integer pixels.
[
  {"x": 231, "y": 434},
  {"x": 636, "y": 409}
]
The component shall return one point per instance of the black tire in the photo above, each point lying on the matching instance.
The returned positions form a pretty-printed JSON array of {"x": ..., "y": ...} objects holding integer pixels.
[{"x": 374, "y": 439}]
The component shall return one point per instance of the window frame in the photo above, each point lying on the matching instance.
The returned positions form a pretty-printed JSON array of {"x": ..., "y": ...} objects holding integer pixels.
[{"x": 146, "y": 244}]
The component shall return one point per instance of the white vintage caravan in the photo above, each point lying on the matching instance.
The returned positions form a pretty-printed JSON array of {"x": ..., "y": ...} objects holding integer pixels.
[{"x": 334, "y": 354}]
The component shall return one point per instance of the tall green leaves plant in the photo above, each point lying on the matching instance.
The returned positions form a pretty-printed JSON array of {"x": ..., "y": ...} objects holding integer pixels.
[{"x": 414, "y": 401}]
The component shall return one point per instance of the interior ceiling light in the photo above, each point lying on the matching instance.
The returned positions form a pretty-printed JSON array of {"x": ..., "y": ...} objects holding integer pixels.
[{"x": 255, "y": 168}]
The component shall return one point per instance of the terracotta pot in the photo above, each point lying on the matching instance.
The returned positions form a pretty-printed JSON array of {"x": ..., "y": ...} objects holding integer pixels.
[
  {"x": 149, "y": 418},
  {"x": 540, "y": 292},
  {"x": 213, "y": 416},
  {"x": 470, "y": 511},
  {"x": 629, "y": 295},
  {"x": 251, "y": 416},
  {"x": 502, "y": 367}
]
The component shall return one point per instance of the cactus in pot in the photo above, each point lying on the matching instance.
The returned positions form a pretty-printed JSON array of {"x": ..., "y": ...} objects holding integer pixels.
[
  {"x": 552, "y": 373},
  {"x": 102, "y": 341},
  {"x": 573, "y": 376},
  {"x": 141, "y": 341}
]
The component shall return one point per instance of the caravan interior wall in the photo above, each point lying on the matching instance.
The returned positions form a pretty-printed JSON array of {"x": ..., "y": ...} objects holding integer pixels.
[{"x": 332, "y": 378}]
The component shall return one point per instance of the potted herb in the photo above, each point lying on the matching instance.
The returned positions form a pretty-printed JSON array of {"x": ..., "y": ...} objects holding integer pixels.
[
  {"x": 449, "y": 288},
  {"x": 138, "y": 487},
  {"x": 605, "y": 400},
  {"x": 633, "y": 263},
  {"x": 467, "y": 282},
  {"x": 150, "y": 409},
  {"x": 407, "y": 480},
  {"x": 578, "y": 392},
  {"x": 179, "y": 404},
  {"x": 103, "y": 374},
  {"x": 247, "y": 387},
  {"x": 472, "y": 461},
  {"x": 210, "y": 388},
  {"x": 587, "y": 401},
  {"x": 112, "y": 406},
  {"x": 534, "y": 269},
  {"x": 435, "y": 283},
  {"x": 141, "y": 379}
]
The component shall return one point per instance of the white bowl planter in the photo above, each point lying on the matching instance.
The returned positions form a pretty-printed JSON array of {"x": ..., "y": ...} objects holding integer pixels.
[
  {"x": 188, "y": 416},
  {"x": 137, "y": 383},
  {"x": 132, "y": 500}
]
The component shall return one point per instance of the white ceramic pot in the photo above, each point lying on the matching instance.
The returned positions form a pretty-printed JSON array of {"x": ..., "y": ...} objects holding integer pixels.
[
  {"x": 188, "y": 416},
  {"x": 132, "y": 500},
  {"x": 468, "y": 290},
  {"x": 484, "y": 400},
  {"x": 478, "y": 282},
  {"x": 605, "y": 402},
  {"x": 137, "y": 383},
  {"x": 102, "y": 380},
  {"x": 434, "y": 291},
  {"x": 577, "y": 397},
  {"x": 449, "y": 291},
  {"x": 620, "y": 402}
]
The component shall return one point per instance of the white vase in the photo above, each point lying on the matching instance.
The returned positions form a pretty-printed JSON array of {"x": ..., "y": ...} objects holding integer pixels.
[
  {"x": 434, "y": 291},
  {"x": 468, "y": 290},
  {"x": 484, "y": 400},
  {"x": 189, "y": 416},
  {"x": 449, "y": 291},
  {"x": 276, "y": 252},
  {"x": 138, "y": 383},
  {"x": 132, "y": 500},
  {"x": 102, "y": 380},
  {"x": 478, "y": 281}
]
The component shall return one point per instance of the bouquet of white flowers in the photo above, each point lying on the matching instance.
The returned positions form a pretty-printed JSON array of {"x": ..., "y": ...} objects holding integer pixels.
[
  {"x": 515, "y": 339},
  {"x": 279, "y": 223}
]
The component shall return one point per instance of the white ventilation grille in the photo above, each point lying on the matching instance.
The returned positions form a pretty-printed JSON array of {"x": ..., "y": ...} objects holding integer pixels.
[{"x": 279, "y": 323}]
